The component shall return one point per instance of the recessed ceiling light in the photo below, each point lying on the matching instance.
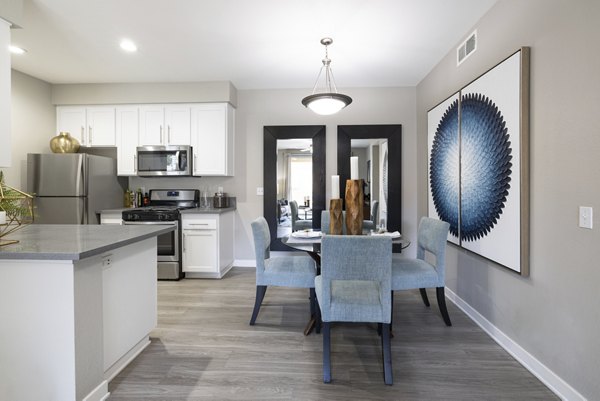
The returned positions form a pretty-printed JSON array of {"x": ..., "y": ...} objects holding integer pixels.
[
  {"x": 128, "y": 45},
  {"x": 16, "y": 49}
]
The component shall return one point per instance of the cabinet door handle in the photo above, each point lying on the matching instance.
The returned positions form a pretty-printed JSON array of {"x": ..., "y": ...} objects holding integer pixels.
[
  {"x": 183, "y": 242},
  {"x": 169, "y": 133},
  {"x": 82, "y": 135},
  {"x": 198, "y": 224},
  {"x": 161, "y": 134},
  {"x": 195, "y": 162},
  {"x": 90, "y": 135}
]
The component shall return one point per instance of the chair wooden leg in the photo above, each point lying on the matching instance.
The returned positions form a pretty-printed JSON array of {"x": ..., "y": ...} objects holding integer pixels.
[
  {"x": 441, "y": 298},
  {"x": 326, "y": 352},
  {"x": 387, "y": 355},
  {"x": 424, "y": 296},
  {"x": 260, "y": 294},
  {"x": 392, "y": 312},
  {"x": 313, "y": 298}
]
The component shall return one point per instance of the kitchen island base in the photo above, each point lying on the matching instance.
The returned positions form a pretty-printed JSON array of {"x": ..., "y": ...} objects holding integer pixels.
[{"x": 69, "y": 326}]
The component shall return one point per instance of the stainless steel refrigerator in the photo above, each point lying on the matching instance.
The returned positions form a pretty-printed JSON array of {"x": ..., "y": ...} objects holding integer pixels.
[{"x": 73, "y": 188}]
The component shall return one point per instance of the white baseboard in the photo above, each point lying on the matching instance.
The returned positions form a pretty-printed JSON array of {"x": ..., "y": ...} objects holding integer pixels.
[
  {"x": 100, "y": 393},
  {"x": 244, "y": 263},
  {"x": 538, "y": 369},
  {"x": 126, "y": 359}
]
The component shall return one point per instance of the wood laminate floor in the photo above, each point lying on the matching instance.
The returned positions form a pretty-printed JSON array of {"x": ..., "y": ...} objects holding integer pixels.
[{"x": 204, "y": 349}]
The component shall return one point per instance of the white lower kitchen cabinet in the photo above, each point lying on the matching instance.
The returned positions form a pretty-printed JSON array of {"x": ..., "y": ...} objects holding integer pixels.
[
  {"x": 129, "y": 295},
  {"x": 207, "y": 244},
  {"x": 111, "y": 217}
]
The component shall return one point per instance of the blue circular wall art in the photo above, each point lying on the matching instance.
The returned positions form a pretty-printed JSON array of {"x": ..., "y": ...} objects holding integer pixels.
[
  {"x": 443, "y": 168},
  {"x": 483, "y": 152}
]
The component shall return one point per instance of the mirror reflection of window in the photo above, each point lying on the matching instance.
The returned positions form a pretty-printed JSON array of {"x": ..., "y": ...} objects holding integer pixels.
[
  {"x": 294, "y": 183},
  {"x": 371, "y": 170}
]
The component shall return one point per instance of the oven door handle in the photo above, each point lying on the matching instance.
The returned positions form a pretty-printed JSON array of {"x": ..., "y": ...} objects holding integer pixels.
[{"x": 163, "y": 223}]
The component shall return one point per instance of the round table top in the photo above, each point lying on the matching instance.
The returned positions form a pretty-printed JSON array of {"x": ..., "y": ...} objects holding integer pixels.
[{"x": 314, "y": 244}]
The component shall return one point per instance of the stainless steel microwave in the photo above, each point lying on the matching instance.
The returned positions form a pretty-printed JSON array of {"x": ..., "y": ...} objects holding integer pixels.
[{"x": 152, "y": 161}]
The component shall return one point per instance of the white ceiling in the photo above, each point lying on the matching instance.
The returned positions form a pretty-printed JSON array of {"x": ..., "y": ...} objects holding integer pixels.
[{"x": 255, "y": 44}]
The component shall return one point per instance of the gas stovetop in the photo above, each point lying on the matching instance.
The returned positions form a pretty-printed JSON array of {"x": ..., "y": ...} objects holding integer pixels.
[{"x": 164, "y": 205}]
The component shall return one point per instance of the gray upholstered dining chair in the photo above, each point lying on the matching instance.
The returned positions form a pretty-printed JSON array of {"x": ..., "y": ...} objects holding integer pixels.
[
  {"x": 408, "y": 274},
  {"x": 372, "y": 223},
  {"x": 355, "y": 286},
  {"x": 297, "y": 223},
  {"x": 285, "y": 271}
]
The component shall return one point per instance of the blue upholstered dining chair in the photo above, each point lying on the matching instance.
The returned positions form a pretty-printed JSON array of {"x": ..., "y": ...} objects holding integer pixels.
[
  {"x": 355, "y": 286},
  {"x": 297, "y": 223},
  {"x": 408, "y": 274},
  {"x": 372, "y": 222},
  {"x": 285, "y": 271}
]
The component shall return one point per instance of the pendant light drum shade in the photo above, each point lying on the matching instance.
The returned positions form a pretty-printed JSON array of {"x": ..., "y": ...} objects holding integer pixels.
[
  {"x": 329, "y": 102},
  {"x": 326, "y": 103}
]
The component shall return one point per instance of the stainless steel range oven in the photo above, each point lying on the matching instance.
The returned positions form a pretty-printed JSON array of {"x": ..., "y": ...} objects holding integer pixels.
[{"x": 164, "y": 208}]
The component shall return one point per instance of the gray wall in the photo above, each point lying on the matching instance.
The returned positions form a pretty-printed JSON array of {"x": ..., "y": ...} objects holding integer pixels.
[
  {"x": 131, "y": 93},
  {"x": 33, "y": 124},
  {"x": 555, "y": 313},
  {"x": 12, "y": 11}
]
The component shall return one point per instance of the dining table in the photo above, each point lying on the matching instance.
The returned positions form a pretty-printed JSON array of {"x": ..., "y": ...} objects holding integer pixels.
[{"x": 309, "y": 241}]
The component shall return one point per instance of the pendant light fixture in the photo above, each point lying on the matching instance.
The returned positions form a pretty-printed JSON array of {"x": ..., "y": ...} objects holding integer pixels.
[{"x": 330, "y": 101}]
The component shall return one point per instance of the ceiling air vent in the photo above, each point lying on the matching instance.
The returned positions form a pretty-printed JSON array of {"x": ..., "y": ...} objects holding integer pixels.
[{"x": 466, "y": 48}]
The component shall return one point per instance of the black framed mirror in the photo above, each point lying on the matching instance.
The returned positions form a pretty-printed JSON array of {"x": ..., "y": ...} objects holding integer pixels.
[
  {"x": 390, "y": 174},
  {"x": 273, "y": 204}
]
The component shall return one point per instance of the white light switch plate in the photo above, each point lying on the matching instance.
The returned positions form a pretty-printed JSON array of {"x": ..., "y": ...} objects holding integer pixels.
[
  {"x": 260, "y": 191},
  {"x": 586, "y": 217}
]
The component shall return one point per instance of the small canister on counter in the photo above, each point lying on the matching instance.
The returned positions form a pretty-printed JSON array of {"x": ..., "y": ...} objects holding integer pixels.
[{"x": 220, "y": 200}]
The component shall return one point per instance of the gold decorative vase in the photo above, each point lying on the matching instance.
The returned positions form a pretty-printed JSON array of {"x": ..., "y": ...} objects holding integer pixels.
[
  {"x": 64, "y": 143},
  {"x": 335, "y": 217},
  {"x": 354, "y": 207}
]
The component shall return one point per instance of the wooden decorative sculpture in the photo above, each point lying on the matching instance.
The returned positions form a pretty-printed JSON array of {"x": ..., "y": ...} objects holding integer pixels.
[
  {"x": 335, "y": 217},
  {"x": 354, "y": 207}
]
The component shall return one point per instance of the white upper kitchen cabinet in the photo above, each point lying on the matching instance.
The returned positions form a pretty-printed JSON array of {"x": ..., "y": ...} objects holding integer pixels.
[
  {"x": 165, "y": 125},
  {"x": 152, "y": 124},
  {"x": 90, "y": 125},
  {"x": 178, "y": 122},
  {"x": 212, "y": 139},
  {"x": 127, "y": 139}
]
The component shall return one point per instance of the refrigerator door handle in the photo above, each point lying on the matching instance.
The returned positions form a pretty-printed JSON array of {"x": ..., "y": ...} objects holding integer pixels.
[
  {"x": 84, "y": 212},
  {"x": 79, "y": 183}
]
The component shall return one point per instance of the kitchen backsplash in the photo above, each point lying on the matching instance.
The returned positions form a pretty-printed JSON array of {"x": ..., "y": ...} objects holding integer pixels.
[{"x": 209, "y": 184}]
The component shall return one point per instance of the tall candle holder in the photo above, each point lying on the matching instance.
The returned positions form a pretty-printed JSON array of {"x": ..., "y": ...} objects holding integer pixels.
[
  {"x": 335, "y": 217},
  {"x": 354, "y": 207}
]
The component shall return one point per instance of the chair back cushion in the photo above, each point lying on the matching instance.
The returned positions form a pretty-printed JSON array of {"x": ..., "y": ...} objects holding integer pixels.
[
  {"x": 355, "y": 282},
  {"x": 262, "y": 241},
  {"x": 432, "y": 236},
  {"x": 374, "y": 210},
  {"x": 294, "y": 210}
]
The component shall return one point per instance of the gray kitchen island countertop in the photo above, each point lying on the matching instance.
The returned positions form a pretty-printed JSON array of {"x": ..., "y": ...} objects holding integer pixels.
[{"x": 74, "y": 242}]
